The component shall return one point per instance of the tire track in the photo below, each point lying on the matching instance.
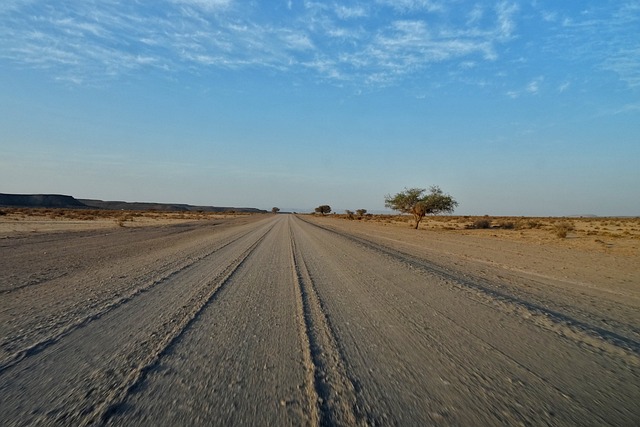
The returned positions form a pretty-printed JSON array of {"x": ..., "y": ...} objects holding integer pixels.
[
  {"x": 196, "y": 306},
  {"x": 553, "y": 320},
  {"x": 67, "y": 329},
  {"x": 331, "y": 394},
  {"x": 32, "y": 282}
]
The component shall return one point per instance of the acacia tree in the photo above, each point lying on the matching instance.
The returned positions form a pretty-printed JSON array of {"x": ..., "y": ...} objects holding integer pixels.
[
  {"x": 323, "y": 209},
  {"x": 275, "y": 210},
  {"x": 361, "y": 212},
  {"x": 414, "y": 201}
]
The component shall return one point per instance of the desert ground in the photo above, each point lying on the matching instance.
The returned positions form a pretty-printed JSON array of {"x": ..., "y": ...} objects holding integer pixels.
[{"x": 210, "y": 319}]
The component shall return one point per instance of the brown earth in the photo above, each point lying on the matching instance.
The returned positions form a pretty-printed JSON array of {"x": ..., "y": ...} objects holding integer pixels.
[{"x": 302, "y": 320}]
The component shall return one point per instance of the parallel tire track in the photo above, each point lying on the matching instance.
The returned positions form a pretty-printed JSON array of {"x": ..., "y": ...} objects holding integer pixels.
[
  {"x": 553, "y": 320},
  {"x": 194, "y": 309},
  {"x": 65, "y": 330},
  {"x": 331, "y": 395}
]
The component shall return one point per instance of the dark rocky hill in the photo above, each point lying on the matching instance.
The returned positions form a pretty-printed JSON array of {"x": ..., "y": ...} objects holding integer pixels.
[
  {"x": 69, "y": 202},
  {"x": 40, "y": 201}
]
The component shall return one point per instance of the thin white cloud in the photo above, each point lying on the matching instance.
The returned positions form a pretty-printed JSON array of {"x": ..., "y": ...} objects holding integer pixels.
[
  {"x": 475, "y": 15},
  {"x": 296, "y": 40},
  {"x": 345, "y": 12},
  {"x": 600, "y": 37},
  {"x": 622, "y": 110},
  {"x": 549, "y": 16},
  {"x": 533, "y": 87},
  {"x": 207, "y": 5},
  {"x": 564, "y": 87},
  {"x": 361, "y": 42},
  {"x": 626, "y": 64},
  {"x": 413, "y": 5},
  {"x": 506, "y": 25}
]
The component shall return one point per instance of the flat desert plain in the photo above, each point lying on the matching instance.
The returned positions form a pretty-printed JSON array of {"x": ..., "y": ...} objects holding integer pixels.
[{"x": 202, "y": 319}]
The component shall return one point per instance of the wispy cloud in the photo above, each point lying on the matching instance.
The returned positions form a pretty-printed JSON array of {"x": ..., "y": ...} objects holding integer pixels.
[
  {"x": 564, "y": 87},
  {"x": 533, "y": 87},
  {"x": 599, "y": 36},
  {"x": 205, "y": 4},
  {"x": 475, "y": 15},
  {"x": 357, "y": 41},
  {"x": 413, "y": 5},
  {"x": 506, "y": 24},
  {"x": 345, "y": 12},
  {"x": 626, "y": 64}
]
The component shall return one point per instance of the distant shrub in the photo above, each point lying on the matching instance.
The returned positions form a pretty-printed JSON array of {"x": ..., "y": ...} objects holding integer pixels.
[
  {"x": 350, "y": 214},
  {"x": 2, "y": 213},
  {"x": 527, "y": 224},
  {"x": 481, "y": 223},
  {"x": 561, "y": 229},
  {"x": 507, "y": 225}
]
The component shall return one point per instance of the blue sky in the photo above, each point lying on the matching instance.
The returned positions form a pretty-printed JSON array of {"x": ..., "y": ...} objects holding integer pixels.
[{"x": 513, "y": 107}]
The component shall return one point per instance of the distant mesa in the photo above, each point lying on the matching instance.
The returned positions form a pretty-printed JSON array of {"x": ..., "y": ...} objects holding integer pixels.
[
  {"x": 69, "y": 202},
  {"x": 40, "y": 201}
]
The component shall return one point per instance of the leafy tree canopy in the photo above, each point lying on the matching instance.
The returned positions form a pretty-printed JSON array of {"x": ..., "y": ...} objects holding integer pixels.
[
  {"x": 323, "y": 209},
  {"x": 414, "y": 201}
]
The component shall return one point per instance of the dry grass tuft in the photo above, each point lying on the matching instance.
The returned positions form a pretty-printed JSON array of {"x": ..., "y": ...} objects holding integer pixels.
[{"x": 562, "y": 229}]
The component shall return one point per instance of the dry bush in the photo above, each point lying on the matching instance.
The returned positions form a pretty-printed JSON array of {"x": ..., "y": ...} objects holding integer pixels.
[
  {"x": 2, "y": 213},
  {"x": 528, "y": 224},
  {"x": 561, "y": 229},
  {"x": 507, "y": 225},
  {"x": 123, "y": 218},
  {"x": 481, "y": 223}
]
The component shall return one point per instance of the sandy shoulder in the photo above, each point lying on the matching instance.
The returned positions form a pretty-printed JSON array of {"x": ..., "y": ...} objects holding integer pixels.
[{"x": 19, "y": 224}]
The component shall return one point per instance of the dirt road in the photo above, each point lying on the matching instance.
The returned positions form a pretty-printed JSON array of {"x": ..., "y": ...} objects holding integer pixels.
[{"x": 276, "y": 320}]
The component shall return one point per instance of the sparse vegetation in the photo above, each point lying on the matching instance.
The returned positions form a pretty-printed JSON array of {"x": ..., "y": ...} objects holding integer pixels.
[
  {"x": 582, "y": 232},
  {"x": 361, "y": 212},
  {"x": 275, "y": 210},
  {"x": 413, "y": 201},
  {"x": 118, "y": 216},
  {"x": 350, "y": 214}
]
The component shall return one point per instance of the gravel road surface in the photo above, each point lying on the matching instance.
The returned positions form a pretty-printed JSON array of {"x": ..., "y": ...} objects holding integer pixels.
[{"x": 282, "y": 320}]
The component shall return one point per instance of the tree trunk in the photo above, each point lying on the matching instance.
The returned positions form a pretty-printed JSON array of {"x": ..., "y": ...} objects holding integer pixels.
[{"x": 418, "y": 218}]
